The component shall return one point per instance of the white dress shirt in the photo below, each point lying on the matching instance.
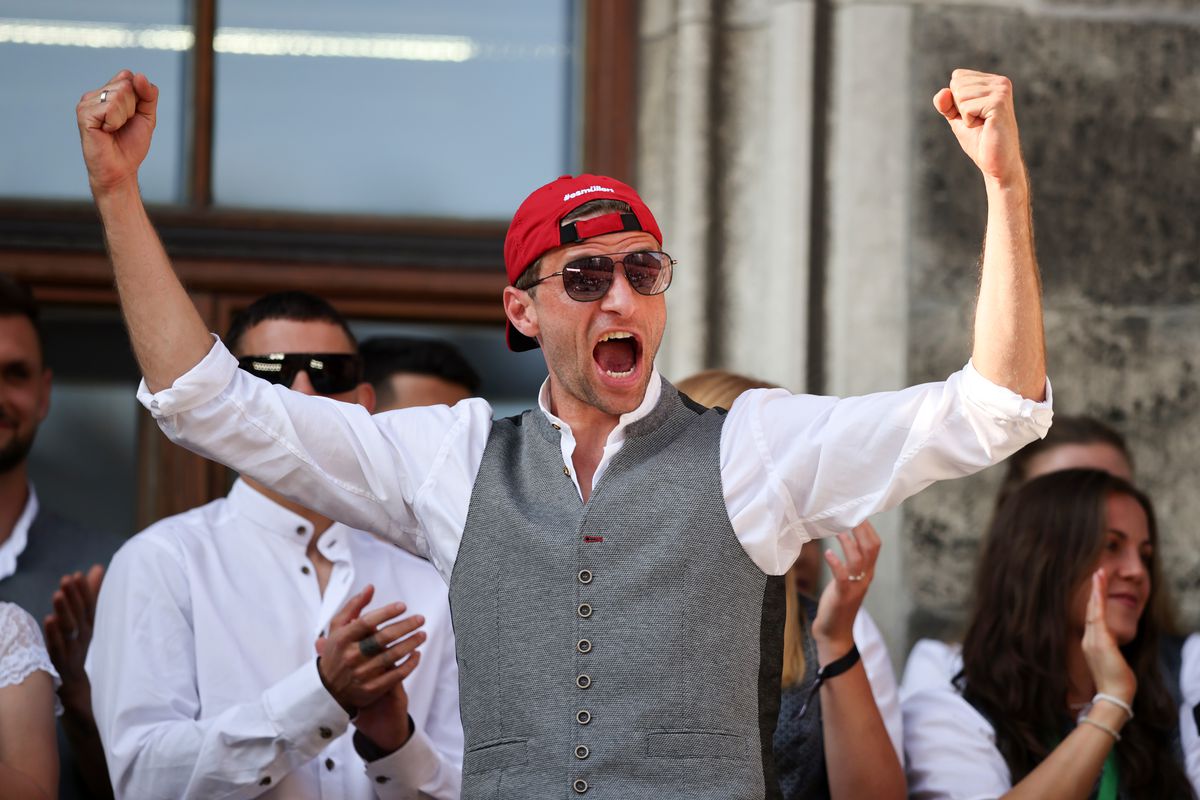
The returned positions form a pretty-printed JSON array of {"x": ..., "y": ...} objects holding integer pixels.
[
  {"x": 203, "y": 668},
  {"x": 949, "y": 747},
  {"x": 12, "y": 547},
  {"x": 793, "y": 467},
  {"x": 1189, "y": 687}
]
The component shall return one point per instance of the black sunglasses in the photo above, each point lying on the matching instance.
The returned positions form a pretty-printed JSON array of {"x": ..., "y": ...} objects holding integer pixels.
[
  {"x": 330, "y": 373},
  {"x": 589, "y": 278}
]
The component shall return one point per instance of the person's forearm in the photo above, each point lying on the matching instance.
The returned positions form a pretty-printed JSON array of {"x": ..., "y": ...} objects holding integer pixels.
[
  {"x": 19, "y": 786},
  {"x": 168, "y": 335},
  {"x": 85, "y": 743},
  {"x": 1010, "y": 347},
  {"x": 855, "y": 735},
  {"x": 1070, "y": 772}
]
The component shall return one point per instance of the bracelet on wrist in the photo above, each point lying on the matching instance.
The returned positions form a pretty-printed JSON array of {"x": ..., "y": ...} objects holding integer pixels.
[
  {"x": 1116, "y": 701},
  {"x": 1116, "y": 736},
  {"x": 830, "y": 670}
]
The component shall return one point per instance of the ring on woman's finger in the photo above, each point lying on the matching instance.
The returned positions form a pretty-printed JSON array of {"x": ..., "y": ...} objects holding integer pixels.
[
  {"x": 104, "y": 95},
  {"x": 370, "y": 647},
  {"x": 860, "y": 576}
]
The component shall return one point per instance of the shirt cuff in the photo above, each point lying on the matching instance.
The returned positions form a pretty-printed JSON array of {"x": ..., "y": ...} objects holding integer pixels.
[
  {"x": 193, "y": 388},
  {"x": 1003, "y": 404},
  {"x": 303, "y": 711},
  {"x": 410, "y": 767}
]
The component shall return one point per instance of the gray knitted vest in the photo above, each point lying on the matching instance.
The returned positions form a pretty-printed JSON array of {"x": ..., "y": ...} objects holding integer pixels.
[{"x": 626, "y": 648}]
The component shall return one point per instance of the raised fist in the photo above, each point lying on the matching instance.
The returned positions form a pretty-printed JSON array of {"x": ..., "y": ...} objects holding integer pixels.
[
  {"x": 979, "y": 108},
  {"x": 116, "y": 122}
]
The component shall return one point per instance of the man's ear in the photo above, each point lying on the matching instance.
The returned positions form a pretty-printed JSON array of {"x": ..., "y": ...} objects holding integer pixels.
[
  {"x": 519, "y": 308},
  {"x": 364, "y": 395}
]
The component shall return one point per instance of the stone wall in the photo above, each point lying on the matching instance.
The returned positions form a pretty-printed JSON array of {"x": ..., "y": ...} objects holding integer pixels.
[
  {"x": 828, "y": 227},
  {"x": 1110, "y": 129}
]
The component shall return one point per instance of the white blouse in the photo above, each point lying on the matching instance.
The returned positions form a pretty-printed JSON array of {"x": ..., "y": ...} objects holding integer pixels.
[{"x": 949, "y": 747}]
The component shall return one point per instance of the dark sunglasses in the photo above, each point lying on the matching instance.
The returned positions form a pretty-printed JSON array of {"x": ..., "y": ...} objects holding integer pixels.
[
  {"x": 589, "y": 278},
  {"x": 330, "y": 373}
]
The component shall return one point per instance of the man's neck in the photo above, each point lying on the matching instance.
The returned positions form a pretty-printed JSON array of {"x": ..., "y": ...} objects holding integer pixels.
[{"x": 14, "y": 494}]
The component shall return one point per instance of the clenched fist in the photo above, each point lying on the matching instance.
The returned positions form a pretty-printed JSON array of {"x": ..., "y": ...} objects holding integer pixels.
[
  {"x": 979, "y": 108},
  {"x": 116, "y": 122}
]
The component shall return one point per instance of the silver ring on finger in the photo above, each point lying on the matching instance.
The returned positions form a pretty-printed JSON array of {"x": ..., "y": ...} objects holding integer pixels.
[
  {"x": 104, "y": 95},
  {"x": 860, "y": 576},
  {"x": 370, "y": 647}
]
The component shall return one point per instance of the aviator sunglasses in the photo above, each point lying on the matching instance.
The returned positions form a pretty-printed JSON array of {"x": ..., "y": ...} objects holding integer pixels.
[
  {"x": 589, "y": 278},
  {"x": 330, "y": 373}
]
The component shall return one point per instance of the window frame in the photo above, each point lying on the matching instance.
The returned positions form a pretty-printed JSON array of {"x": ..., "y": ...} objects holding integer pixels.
[{"x": 375, "y": 267}]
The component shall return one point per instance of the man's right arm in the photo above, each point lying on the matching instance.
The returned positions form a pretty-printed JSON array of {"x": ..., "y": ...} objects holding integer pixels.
[{"x": 116, "y": 123}]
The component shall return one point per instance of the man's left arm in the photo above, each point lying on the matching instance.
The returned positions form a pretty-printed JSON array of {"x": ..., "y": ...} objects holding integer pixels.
[{"x": 1010, "y": 346}]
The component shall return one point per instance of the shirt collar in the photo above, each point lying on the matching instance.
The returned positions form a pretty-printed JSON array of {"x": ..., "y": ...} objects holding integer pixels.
[
  {"x": 653, "y": 393},
  {"x": 279, "y": 521},
  {"x": 15, "y": 544}
]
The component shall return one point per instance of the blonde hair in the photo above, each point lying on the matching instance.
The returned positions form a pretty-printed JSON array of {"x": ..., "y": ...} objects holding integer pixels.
[{"x": 717, "y": 387}]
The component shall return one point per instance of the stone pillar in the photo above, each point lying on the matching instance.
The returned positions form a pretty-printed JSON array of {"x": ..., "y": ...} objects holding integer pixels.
[
  {"x": 866, "y": 300},
  {"x": 725, "y": 118}
]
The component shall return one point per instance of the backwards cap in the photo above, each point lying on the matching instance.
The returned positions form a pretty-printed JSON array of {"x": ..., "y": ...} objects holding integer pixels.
[{"x": 537, "y": 226}]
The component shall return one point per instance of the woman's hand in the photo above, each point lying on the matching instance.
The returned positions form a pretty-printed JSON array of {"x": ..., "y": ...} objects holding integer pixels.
[
  {"x": 843, "y": 596},
  {"x": 1110, "y": 671}
]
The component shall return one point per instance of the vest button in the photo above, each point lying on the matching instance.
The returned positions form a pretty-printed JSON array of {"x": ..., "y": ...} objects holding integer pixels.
[
  {"x": 580, "y": 786},
  {"x": 585, "y": 610},
  {"x": 585, "y": 576},
  {"x": 583, "y": 681},
  {"x": 583, "y": 717},
  {"x": 584, "y": 646},
  {"x": 582, "y": 752},
  {"x": 566, "y": 472}
]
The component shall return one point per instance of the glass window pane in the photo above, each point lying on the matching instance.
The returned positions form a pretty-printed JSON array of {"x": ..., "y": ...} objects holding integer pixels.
[
  {"x": 84, "y": 461},
  {"x": 392, "y": 106},
  {"x": 51, "y": 52}
]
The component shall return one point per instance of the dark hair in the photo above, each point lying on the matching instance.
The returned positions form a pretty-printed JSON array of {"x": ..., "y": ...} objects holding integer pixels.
[
  {"x": 383, "y": 356},
  {"x": 592, "y": 208},
  {"x": 1065, "y": 430},
  {"x": 16, "y": 300},
  {"x": 1043, "y": 542},
  {"x": 298, "y": 306}
]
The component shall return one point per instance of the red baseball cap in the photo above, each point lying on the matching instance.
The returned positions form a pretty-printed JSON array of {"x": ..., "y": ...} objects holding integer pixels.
[{"x": 537, "y": 226}]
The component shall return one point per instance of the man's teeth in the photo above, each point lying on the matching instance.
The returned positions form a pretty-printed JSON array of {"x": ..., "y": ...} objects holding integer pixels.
[
  {"x": 624, "y": 374},
  {"x": 616, "y": 335}
]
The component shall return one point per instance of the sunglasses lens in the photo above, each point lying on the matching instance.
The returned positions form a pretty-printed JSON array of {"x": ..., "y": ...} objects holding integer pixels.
[
  {"x": 271, "y": 369},
  {"x": 333, "y": 373},
  {"x": 588, "y": 279},
  {"x": 330, "y": 373},
  {"x": 648, "y": 272}
]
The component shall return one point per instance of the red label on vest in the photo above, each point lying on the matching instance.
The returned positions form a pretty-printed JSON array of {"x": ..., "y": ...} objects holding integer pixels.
[{"x": 591, "y": 539}]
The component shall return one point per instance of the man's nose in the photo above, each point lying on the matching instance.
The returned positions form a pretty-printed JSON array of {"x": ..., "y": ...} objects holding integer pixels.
[
  {"x": 302, "y": 383},
  {"x": 621, "y": 295}
]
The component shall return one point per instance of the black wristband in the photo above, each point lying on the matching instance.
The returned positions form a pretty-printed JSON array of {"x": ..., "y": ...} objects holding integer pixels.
[
  {"x": 369, "y": 751},
  {"x": 830, "y": 670}
]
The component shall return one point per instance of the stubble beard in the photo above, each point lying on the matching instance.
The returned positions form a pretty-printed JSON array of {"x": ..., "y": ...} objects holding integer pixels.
[{"x": 13, "y": 454}]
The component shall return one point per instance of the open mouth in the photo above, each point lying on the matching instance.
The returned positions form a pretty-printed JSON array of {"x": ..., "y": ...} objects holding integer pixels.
[
  {"x": 1127, "y": 600},
  {"x": 617, "y": 353}
]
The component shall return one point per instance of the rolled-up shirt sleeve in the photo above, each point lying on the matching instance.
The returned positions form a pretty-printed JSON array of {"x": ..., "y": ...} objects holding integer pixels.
[
  {"x": 797, "y": 467},
  {"x": 369, "y": 472}
]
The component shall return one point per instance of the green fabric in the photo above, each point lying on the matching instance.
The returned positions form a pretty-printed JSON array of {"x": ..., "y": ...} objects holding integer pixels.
[{"x": 1109, "y": 780}]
